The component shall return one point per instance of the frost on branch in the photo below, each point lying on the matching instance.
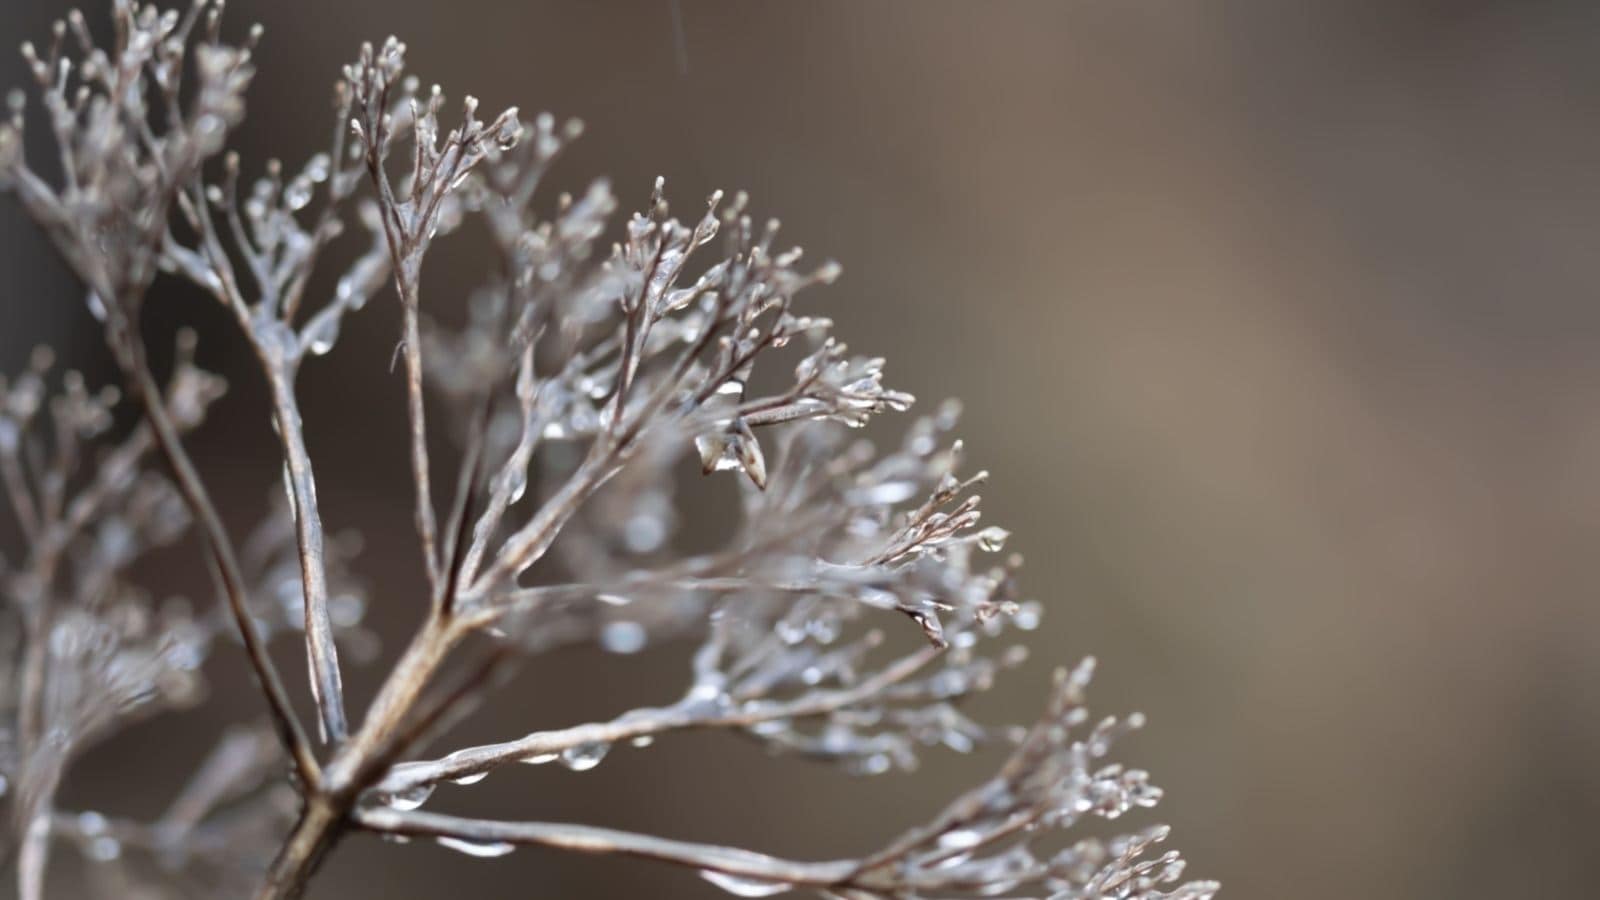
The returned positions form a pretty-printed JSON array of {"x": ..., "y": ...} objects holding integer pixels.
[
  {"x": 128, "y": 131},
  {"x": 988, "y": 841},
  {"x": 212, "y": 838},
  {"x": 387, "y": 110},
  {"x": 1007, "y": 837},
  {"x": 629, "y": 354},
  {"x": 850, "y": 606},
  {"x": 89, "y": 649}
]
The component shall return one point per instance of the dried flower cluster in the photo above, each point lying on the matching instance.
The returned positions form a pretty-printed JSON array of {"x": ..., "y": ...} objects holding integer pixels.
[{"x": 583, "y": 374}]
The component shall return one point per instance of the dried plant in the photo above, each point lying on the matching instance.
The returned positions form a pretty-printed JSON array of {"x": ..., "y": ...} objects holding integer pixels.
[{"x": 580, "y": 378}]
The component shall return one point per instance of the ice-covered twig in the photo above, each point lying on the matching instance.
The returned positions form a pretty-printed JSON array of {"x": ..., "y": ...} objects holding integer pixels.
[{"x": 986, "y": 842}]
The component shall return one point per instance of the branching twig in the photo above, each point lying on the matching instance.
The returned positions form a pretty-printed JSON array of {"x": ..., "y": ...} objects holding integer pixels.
[
  {"x": 483, "y": 836},
  {"x": 224, "y": 557},
  {"x": 470, "y": 761},
  {"x": 588, "y": 376}
]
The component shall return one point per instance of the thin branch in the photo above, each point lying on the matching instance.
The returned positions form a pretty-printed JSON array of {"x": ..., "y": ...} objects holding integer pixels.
[
  {"x": 639, "y": 723},
  {"x": 32, "y": 857},
  {"x": 427, "y": 526},
  {"x": 529, "y": 598},
  {"x": 530, "y": 542},
  {"x": 143, "y": 385},
  {"x": 459, "y": 521},
  {"x": 435, "y": 714},
  {"x": 322, "y": 656},
  {"x": 589, "y": 839},
  {"x": 16, "y": 487}
]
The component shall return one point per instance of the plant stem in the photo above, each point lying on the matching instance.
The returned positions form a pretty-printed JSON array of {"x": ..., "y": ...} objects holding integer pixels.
[
  {"x": 588, "y": 839},
  {"x": 329, "y": 803},
  {"x": 321, "y": 654},
  {"x": 142, "y": 383},
  {"x": 320, "y": 825}
]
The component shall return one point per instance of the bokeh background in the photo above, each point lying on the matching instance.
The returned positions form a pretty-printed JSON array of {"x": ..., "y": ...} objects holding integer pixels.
[{"x": 1276, "y": 322}]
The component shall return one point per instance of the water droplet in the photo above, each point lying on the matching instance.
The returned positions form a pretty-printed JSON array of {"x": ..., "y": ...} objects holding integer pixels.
[
  {"x": 959, "y": 839},
  {"x": 713, "y": 452},
  {"x": 887, "y": 492},
  {"x": 91, "y": 823},
  {"x": 957, "y": 741},
  {"x": 736, "y": 448},
  {"x": 1027, "y": 616},
  {"x": 104, "y": 849},
  {"x": 209, "y": 126},
  {"x": 518, "y": 483},
  {"x": 644, "y": 532},
  {"x": 480, "y": 849},
  {"x": 825, "y": 627},
  {"x": 623, "y": 637},
  {"x": 322, "y": 332},
  {"x": 539, "y": 759},
  {"x": 97, "y": 307},
  {"x": 298, "y": 194},
  {"x": 474, "y": 778},
  {"x": 317, "y": 167},
  {"x": 875, "y": 764},
  {"x": 410, "y": 798},
  {"x": 643, "y": 740},
  {"x": 740, "y": 886},
  {"x": 583, "y": 757},
  {"x": 771, "y": 727}
]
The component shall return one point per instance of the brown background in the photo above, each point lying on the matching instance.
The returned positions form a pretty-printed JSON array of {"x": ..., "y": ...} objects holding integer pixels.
[{"x": 1275, "y": 321}]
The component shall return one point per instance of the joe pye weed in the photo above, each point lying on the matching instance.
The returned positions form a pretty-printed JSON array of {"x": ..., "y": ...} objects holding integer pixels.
[{"x": 592, "y": 360}]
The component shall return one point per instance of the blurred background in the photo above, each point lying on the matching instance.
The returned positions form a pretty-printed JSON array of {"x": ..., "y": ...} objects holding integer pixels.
[{"x": 1275, "y": 322}]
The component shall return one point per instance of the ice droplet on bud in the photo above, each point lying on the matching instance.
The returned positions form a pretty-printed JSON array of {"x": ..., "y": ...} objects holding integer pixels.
[
  {"x": 480, "y": 849},
  {"x": 734, "y": 448},
  {"x": 317, "y": 167},
  {"x": 740, "y": 886},
  {"x": 993, "y": 539},
  {"x": 298, "y": 194}
]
